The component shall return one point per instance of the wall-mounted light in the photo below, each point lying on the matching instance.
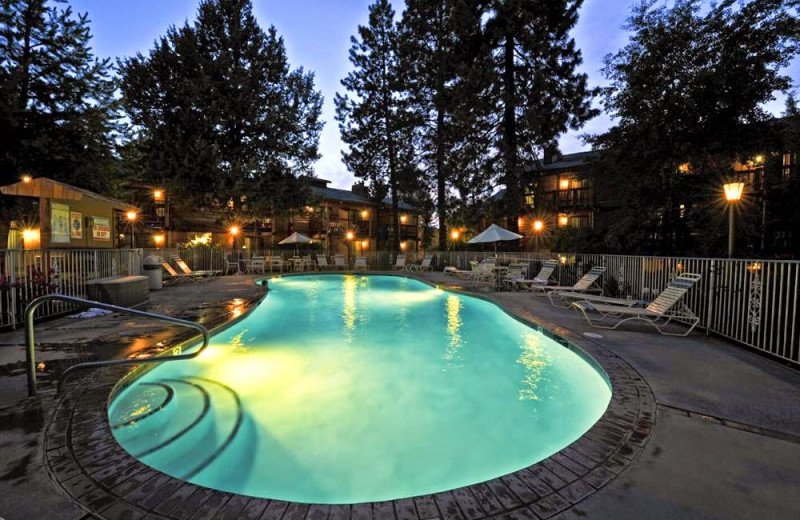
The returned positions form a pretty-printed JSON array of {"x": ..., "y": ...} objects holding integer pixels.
[
  {"x": 538, "y": 225},
  {"x": 158, "y": 195},
  {"x": 234, "y": 230},
  {"x": 455, "y": 234},
  {"x": 364, "y": 215},
  {"x": 563, "y": 220},
  {"x": 27, "y": 179},
  {"x": 350, "y": 235},
  {"x": 131, "y": 215},
  {"x": 364, "y": 244},
  {"x": 403, "y": 219},
  {"x": 158, "y": 240},
  {"x": 403, "y": 245},
  {"x": 564, "y": 184}
]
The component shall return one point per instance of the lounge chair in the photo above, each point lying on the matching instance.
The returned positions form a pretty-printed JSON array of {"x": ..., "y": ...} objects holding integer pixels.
[
  {"x": 587, "y": 284},
  {"x": 658, "y": 313},
  {"x": 338, "y": 262},
  {"x": 258, "y": 264},
  {"x": 322, "y": 263},
  {"x": 174, "y": 276},
  {"x": 541, "y": 279},
  {"x": 231, "y": 265},
  {"x": 424, "y": 266},
  {"x": 361, "y": 263},
  {"x": 400, "y": 262},
  {"x": 186, "y": 270}
]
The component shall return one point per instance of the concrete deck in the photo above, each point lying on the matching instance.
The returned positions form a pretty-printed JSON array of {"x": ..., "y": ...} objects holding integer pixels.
[{"x": 725, "y": 444}]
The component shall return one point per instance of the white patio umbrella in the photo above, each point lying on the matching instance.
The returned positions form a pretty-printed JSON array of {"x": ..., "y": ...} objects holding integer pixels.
[
  {"x": 494, "y": 234},
  {"x": 295, "y": 238}
]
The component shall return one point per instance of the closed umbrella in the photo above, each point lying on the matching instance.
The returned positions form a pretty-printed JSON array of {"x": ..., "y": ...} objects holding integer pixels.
[{"x": 494, "y": 234}]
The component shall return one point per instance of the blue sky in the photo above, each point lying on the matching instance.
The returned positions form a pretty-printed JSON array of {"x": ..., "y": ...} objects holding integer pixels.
[{"x": 317, "y": 33}]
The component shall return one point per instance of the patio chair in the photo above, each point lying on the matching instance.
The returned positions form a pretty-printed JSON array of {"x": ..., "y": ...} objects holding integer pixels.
[
  {"x": 659, "y": 313},
  {"x": 322, "y": 263},
  {"x": 514, "y": 275},
  {"x": 484, "y": 273},
  {"x": 587, "y": 284},
  {"x": 542, "y": 278},
  {"x": 338, "y": 262},
  {"x": 186, "y": 270},
  {"x": 230, "y": 265},
  {"x": 424, "y": 266},
  {"x": 400, "y": 262},
  {"x": 174, "y": 276},
  {"x": 275, "y": 262},
  {"x": 258, "y": 264},
  {"x": 361, "y": 263}
]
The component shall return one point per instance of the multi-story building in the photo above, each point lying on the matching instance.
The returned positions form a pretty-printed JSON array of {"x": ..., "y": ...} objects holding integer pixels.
[{"x": 340, "y": 221}]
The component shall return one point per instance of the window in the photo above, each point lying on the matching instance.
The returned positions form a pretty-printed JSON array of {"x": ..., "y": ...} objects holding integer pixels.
[
  {"x": 580, "y": 222},
  {"x": 789, "y": 160}
]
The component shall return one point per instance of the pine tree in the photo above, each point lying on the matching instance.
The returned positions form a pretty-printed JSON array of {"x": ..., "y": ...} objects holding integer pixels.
[
  {"x": 537, "y": 91},
  {"x": 57, "y": 111},
  {"x": 221, "y": 116},
  {"x": 375, "y": 122},
  {"x": 441, "y": 58}
]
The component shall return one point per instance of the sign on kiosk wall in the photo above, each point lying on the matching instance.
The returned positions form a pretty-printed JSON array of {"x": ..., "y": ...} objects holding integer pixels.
[
  {"x": 59, "y": 223},
  {"x": 76, "y": 225},
  {"x": 101, "y": 228}
]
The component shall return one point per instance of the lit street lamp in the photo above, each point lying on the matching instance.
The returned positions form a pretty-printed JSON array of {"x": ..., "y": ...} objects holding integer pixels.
[
  {"x": 733, "y": 194},
  {"x": 131, "y": 215}
]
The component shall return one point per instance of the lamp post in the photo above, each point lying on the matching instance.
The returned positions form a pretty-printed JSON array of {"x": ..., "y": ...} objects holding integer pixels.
[
  {"x": 234, "y": 232},
  {"x": 538, "y": 227},
  {"x": 131, "y": 215},
  {"x": 733, "y": 194}
]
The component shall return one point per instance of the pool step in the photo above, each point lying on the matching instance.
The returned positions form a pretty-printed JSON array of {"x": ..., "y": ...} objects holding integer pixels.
[{"x": 188, "y": 434}]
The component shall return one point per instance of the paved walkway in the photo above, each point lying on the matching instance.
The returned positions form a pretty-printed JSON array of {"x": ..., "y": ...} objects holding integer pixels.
[{"x": 726, "y": 440}]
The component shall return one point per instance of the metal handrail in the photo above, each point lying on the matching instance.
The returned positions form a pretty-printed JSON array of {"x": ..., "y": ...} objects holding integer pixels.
[{"x": 30, "y": 354}]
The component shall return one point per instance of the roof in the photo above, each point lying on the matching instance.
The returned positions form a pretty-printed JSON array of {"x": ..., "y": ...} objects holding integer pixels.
[
  {"x": 349, "y": 196},
  {"x": 570, "y": 160},
  {"x": 42, "y": 187}
]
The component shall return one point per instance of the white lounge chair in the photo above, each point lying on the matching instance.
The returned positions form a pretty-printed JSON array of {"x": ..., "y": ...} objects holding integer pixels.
[
  {"x": 587, "y": 283},
  {"x": 424, "y": 266},
  {"x": 400, "y": 262},
  {"x": 338, "y": 262},
  {"x": 174, "y": 276},
  {"x": 186, "y": 270},
  {"x": 541, "y": 279},
  {"x": 659, "y": 313},
  {"x": 322, "y": 263},
  {"x": 361, "y": 263}
]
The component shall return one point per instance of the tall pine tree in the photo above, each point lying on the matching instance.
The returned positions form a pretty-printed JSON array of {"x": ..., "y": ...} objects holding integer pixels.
[
  {"x": 220, "y": 115},
  {"x": 441, "y": 58},
  {"x": 537, "y": 91},
  {"x": 57, "y": 109},
  {"x": 375, "y": 122}
]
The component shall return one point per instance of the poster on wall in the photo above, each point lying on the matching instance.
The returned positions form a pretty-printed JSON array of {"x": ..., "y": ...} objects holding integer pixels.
[
  {"x": 101, "y": 228},
  {"x": 59, "y": 223},
  {"x": 75, "y": 224}
]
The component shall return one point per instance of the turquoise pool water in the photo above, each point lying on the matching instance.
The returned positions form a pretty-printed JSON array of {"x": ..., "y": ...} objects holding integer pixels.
[{"x": 344, "y": 389}]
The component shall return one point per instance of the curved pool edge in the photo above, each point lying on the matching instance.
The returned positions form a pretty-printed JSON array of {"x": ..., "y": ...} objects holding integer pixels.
[{"x": 80, "y": 447}]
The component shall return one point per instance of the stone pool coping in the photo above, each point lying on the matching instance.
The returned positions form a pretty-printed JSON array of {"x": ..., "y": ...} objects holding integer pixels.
[{"x": 85, "y": 461}]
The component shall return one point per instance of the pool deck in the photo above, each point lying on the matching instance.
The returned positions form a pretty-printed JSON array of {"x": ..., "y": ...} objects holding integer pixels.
[{"x": 705, "y": 429}]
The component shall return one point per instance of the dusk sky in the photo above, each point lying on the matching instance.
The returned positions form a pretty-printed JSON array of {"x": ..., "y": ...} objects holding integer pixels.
[{"x": 317, "y": 32}]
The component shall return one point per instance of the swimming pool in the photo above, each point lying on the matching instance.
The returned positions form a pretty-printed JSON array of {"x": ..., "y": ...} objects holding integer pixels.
[{"x": 350, "y": 388}]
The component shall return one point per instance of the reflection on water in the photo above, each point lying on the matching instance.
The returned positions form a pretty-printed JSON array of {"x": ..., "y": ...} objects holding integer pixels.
[
  {"x": 236, "y": 342},
  {"x": 535, "y": 359},
  {"x": 453, "y": 327}
]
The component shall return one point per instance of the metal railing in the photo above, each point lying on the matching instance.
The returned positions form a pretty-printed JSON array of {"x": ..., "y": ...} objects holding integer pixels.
[
  {"x": 28, "y": 274},
  {"x": 753, "y": 302},
  {"x": 30, "y": 342}
]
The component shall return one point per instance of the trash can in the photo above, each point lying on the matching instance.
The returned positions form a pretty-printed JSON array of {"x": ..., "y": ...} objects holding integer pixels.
[{"x": 152, "y": 269}]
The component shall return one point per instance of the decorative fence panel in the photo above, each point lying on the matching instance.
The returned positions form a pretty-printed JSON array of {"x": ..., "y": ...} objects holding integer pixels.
[
  {"x": 27, "y": 274},
  {"x": 754, "y": 302}
]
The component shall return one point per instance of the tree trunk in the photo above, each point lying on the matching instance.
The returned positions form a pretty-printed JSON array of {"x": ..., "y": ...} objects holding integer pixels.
[
  {"x": 512, "y": 177},
  {"x": 441, "y": 179}
]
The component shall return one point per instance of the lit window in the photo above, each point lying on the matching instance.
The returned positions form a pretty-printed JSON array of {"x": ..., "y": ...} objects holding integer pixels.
[{"x": 564, "y": 184}]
